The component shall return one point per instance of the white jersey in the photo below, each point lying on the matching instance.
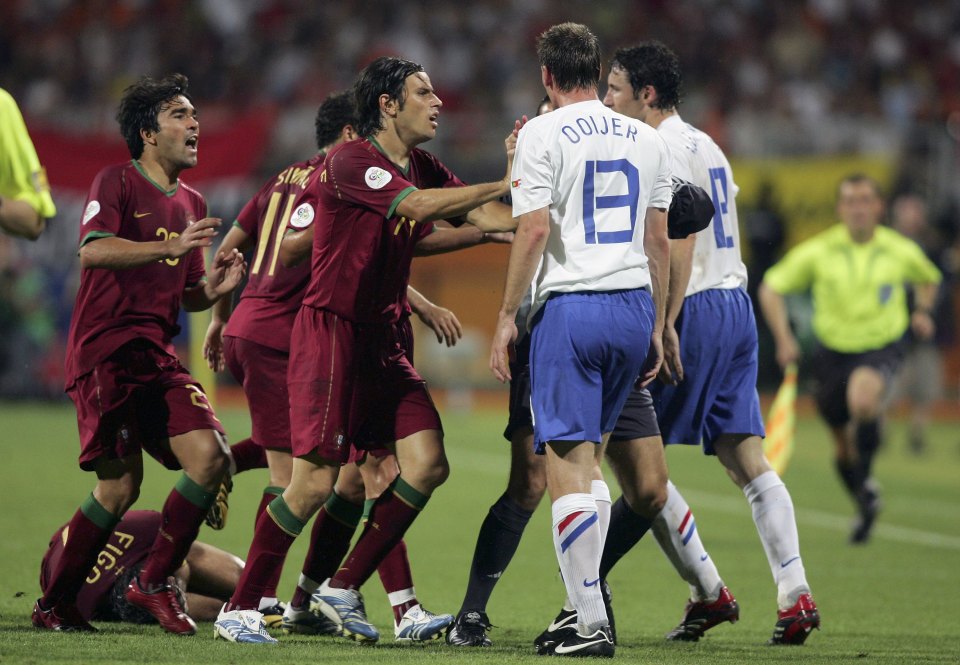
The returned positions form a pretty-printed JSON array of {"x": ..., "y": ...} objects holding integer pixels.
[
  {"x": 597, "y": 172},
  {"x": 717, "y": 263}
]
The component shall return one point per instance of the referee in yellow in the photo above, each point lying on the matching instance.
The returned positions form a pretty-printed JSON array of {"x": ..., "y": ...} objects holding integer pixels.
[
  {"x": 857, "y": 272},
  {"x": 25, "y": 201}
]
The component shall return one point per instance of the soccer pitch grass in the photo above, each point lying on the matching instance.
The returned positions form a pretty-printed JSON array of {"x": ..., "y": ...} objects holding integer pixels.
[{"x": 891, "y": 601}]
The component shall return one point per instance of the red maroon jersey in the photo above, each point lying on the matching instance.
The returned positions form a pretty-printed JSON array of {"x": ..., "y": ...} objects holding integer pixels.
[
  {"x": 115, "y": 306},
  {"x": 361, "y": 248},
  {"x": 273, "y": 294},
  {"x": 129, "y": 544}
]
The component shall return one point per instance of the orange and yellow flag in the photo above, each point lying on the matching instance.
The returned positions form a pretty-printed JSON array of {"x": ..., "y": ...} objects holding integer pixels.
[{"x": 778, "y": 446}]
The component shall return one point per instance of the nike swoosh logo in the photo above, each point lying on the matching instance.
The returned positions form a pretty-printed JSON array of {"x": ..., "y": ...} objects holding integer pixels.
[
  {"x": 589, "y": 584},
  {"x": 567, "y": 622},
  {"x": 561, "y": 649},
  {"x": 703, "y": 557},
  {"x": 788, "y": 562},
  {"x": 138, "y": 215}
]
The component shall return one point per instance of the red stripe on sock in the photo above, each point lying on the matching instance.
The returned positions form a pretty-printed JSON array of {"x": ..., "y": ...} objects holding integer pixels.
[
  {"x": 683, "y": 524},
  {"x": 566, "y": 521}
]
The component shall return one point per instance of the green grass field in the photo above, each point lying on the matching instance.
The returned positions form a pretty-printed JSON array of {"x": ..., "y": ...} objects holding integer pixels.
[{"x": 891, "y": 601}]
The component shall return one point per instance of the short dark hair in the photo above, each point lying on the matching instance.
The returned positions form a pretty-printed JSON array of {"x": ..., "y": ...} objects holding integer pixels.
[
  {"x": 141, "y": 104},
  {"x": 860, "y": 178},
  {"x": 572, "y": 55},
  {"x": 654, "y": 64},
  {"x": 336, "y": 111},
  {"x": 384, "y": 76}
]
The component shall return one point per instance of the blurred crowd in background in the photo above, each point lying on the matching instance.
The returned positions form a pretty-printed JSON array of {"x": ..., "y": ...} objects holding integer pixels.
[{"x": 776, "y": 80}]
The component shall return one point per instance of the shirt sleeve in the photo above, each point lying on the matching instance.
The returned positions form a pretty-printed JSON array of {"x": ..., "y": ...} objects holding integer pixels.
[
  {"x": 531, "y": 179},
  {"x": 918, "y": 268},
  {"x": 102, "y": 215},
  {"x": 662, "y": 192},
  {"x": 794, "y": 273},
  {"x": 356, "y": 176},
  {"x": 22, "y": 177}
]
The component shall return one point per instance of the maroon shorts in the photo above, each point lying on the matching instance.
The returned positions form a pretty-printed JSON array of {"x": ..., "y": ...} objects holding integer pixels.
[
  {"x": 262, "y": 372},
  {"x": 135, "y": 400},
  {"x": 352, "y": 383}
]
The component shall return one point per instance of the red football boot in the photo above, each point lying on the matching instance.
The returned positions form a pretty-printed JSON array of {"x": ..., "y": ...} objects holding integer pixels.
[
  {"x": 63, "y": 618},
  {"x": 164, "y": 605},
  {"x": 699, "y": 617},
  {"x": 795, "y": 623}
]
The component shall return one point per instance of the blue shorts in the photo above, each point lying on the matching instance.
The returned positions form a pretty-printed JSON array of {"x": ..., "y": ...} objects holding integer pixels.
[
  {"x": 586, "y": 352},
  {"x": 718, "y": 349}
]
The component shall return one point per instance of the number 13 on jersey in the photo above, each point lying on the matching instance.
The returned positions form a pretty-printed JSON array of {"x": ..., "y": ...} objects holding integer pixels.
[{"x": 592, "y": 203}]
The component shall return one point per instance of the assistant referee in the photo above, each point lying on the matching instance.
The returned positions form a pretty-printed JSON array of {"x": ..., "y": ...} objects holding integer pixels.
[
  {"x": 857, "y": 272},
  {"x": 25, "y": 201}
]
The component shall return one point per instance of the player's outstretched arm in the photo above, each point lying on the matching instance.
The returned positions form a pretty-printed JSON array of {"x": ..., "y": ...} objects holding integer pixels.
[
  {"x": 440, "y": 320},
  {"x": 120, "y": 254}
]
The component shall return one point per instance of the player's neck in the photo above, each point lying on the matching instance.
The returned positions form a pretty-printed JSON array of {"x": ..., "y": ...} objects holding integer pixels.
[
  {"x": 164, "y": 176},
  {"x": 393, "y": 146},
  {"x": 656, "y": 116},
  {"x": 574, "y": 96}
]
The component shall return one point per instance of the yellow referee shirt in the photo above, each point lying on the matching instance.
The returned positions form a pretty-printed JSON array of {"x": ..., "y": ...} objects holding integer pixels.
[
  {"x": 859, "y": 301},
  {"x": 21, "y": 176}
]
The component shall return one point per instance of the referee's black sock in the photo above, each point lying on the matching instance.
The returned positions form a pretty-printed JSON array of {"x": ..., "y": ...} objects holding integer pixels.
[
  {"x": 867, "y": 438},
  {"x": 852, "y": 477}
]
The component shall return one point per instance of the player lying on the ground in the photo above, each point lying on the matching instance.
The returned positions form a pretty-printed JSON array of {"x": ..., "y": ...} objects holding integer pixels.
[{"x": 204, "y": 582}]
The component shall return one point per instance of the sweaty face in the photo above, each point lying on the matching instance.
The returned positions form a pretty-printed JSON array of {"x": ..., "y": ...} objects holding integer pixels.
[
  {"x": 860, "y": 207},
  {"x": 417, "y": 120},
  {"x": 179, "y": 134},
  {"x": 620, "y": 96}
]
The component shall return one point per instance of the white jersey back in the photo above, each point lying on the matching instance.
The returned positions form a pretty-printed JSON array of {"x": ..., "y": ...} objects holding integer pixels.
[
  {"x": 597, "y": 171},
  {"x": 717, "y": 263}
]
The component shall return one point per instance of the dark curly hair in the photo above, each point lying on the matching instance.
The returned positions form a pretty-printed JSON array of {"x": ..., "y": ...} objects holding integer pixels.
[
  {"x": 572, "y": 54},
  {"x": 334, "y": 113},
  {"x": 142, "y": 102},
  {"x": 384, "y": 76},
  {"x": 654, "y": 64}
]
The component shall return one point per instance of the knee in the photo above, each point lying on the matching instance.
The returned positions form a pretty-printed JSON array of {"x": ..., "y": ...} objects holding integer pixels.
[
  {"x": 119, "y": 495},
  {"x": 528, "y": 490},
  {"x": 649, "y": 498},
  {"x": 210, "y": 466},
  {"x": 426, "y": 479}
]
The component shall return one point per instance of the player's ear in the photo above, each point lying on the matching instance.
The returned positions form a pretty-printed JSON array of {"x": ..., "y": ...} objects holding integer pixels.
[
  {"x": 148, "y": 136},
  {"x": 348, "y": 133},
  {"x": 546, "y": 77},
  {"x": 388, "y": 105}
]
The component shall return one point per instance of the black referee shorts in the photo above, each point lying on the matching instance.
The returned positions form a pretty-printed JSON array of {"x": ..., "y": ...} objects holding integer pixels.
[{"x": 831, "y": 372}]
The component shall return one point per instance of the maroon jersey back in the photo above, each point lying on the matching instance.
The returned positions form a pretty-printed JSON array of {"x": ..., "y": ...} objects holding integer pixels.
[
  {"x": 129, "y": 544},
  {"x": 115, "y": 306},
  {"x": 273, "y": 294},
  {"x": 361, "y": 248}
]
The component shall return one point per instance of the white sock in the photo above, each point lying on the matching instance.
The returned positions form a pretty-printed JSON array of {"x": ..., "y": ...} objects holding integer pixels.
[
  {"x": 576, "y": 538},
  {"x": 402, "y": 596},
  {"x": 773, "y": 514},
  {"x": 676, "y": 531},
  {"x": 266, "y": 603},
  {"x": 601, "y": 494},
  {"x": 307, "y": 585}
]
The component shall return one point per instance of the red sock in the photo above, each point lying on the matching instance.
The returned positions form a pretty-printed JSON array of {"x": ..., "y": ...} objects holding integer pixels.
[
  {"x": 394, "y": 570},
  {"x": 84, "y": 541},
  {"x": 267, "y": 553},
  {"x": 329, "y": 542},
  {"x": 248, "y": 455},
  {"x": 271, "y": 493},
  {"x": 180, "y": 522},
  {"x": 389, "y": 520}
]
